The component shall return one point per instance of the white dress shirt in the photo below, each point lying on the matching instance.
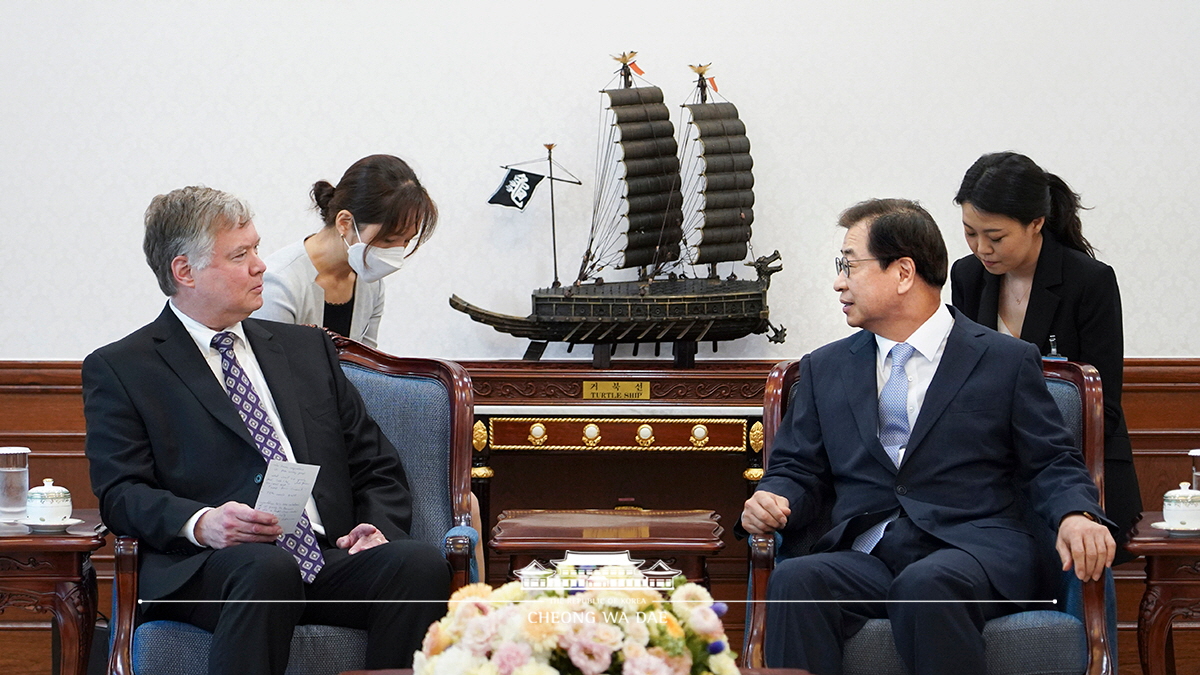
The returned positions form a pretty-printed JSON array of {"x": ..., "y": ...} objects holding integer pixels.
[
  {"x": 928, "y": 343},
  {"x": 203, "y": 336}
]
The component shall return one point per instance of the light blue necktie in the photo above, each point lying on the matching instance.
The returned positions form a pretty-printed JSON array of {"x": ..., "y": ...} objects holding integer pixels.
[{"x": 893, "y": 430}]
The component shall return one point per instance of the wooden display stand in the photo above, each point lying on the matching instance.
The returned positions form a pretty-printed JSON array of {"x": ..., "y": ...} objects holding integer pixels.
[{"x": 681, "y": 539}]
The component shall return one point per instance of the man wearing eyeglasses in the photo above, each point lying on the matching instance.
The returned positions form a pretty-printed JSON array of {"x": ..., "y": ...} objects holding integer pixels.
[{"x": 925, "y": 431}]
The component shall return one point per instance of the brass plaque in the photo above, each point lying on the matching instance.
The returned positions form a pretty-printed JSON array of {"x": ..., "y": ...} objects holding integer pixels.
[{"x": 616, "y": 389}]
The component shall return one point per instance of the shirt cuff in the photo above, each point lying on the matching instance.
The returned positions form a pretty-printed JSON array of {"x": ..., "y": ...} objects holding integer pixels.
[{"x": 189, "y": 528}]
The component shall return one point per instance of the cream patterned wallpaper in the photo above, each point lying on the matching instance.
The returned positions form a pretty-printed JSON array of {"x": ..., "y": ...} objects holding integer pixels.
[{"x": 106, "y": 104}]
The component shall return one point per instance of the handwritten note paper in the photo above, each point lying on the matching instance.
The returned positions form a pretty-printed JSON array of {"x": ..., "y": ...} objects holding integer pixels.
[{"x": 285, "y": 491}]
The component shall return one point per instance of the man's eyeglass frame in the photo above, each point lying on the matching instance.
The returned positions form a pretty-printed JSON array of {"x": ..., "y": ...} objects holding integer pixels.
[{"x": 841, "y": 264}]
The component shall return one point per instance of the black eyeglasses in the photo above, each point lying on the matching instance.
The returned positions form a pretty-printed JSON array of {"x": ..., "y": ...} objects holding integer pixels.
[{"x": 843, "y": 265}]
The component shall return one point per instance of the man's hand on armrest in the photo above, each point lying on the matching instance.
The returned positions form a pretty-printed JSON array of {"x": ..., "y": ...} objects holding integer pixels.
[
  {"x": 765, "y": 512},
  {"x": 235, "y": 523},
  {"x": 1086, "y": 544},
  {"x": 361, "y": 538}
]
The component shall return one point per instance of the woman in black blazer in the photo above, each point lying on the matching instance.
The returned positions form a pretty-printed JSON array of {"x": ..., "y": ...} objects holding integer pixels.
[{"x": 1033, "y": 275}]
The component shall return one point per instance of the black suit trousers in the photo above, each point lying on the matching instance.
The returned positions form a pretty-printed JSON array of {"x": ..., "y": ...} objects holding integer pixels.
[
  {"x": 819, "y": 601},
  {"x": 407, "y": 579}
]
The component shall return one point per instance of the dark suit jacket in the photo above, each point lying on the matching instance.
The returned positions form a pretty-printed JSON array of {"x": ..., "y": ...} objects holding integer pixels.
[
  {"x": 1074, "y": 298},
  {"x": 988, "y": 434},
  {"x": 164, "y": 440}
]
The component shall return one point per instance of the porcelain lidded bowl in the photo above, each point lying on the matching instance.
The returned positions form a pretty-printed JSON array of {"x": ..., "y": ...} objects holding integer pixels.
[
  {"x": 48, "y": 503},
  {"x": 1181, "y": 508}
]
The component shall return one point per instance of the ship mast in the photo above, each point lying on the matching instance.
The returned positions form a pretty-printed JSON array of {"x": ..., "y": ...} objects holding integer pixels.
[
  {"x": 553, "y": 228},
  {"x": 626, "y": 75},
  {"x": 701, "y": 81},
  {"x": 702, "y": 92}
]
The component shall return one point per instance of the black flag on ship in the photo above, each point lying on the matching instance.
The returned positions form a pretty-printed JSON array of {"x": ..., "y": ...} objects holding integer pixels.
[{"x": 516, "y": 189}]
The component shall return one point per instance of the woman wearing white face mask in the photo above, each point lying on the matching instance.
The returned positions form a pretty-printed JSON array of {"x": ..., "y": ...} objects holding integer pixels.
[{"x": 378, "y": 215}]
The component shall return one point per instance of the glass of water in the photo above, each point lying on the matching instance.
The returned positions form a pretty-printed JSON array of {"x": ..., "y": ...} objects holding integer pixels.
[{"x": 14, "y": 482}]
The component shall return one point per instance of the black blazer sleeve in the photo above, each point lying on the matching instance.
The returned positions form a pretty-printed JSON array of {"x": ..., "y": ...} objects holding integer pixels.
[
  {"x": 1102, "y": 344},
  {"x": 124, "y": 475},
  {"x": 798, "y": 468}
]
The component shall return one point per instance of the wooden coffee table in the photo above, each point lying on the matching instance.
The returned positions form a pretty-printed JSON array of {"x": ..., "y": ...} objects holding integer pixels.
[
  {"x": 53, "y": 573},
  {"x": 1172, "y": 590},
  {"x": 684, "y": 538}
]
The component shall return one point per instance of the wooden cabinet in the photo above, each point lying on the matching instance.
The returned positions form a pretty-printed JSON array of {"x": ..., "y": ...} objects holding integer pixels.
[{"x": 562, "y": 435}]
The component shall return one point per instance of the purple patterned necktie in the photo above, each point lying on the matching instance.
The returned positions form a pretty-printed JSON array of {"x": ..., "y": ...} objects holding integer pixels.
[{"x": 302, "y": 543}]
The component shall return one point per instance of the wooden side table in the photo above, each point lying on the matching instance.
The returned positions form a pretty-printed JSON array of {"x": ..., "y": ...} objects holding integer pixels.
[
  {"x": 1172, "y": 590},
  {"x": 53, "y": 572},
  {"x": 684, "y": 538}
]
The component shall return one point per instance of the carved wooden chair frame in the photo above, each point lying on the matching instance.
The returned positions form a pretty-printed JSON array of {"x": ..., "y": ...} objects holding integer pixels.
[{"x": 762, "y": 547}]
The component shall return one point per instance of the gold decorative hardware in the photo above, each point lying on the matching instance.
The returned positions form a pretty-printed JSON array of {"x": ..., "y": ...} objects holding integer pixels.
[
  {"x": 699, "y": 436},
  {"x": 499, "y": 430},
  {"x": 482, "y": 472},
  {"x": 644, "y": 435},
  {"x": 752, "y": 474},
  {"x": 756, "y": 437},
  {"x": 537, "y": 433},
  {"x": 591, "y": 435},
  {"x": 479, "y": 436}
]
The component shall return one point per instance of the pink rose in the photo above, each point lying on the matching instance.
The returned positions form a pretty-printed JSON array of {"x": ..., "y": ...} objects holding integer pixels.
[
  {"x": 510, "y": 656},
  {"x": 590, "y": 657},
  {"x": 478, "y": 636},
  {"x": 705, "y": 621},
  {"x": 645, "y": 665}
]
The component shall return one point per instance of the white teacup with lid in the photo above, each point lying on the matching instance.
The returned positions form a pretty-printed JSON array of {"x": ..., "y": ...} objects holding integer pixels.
[
  {"x": 1181, "y": 508},
  {"x": 48, "y": 503}
]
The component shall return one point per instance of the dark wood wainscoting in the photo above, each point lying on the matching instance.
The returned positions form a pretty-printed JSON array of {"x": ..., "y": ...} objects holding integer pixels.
[
  {"x": 1161, "y": 398},
  {"x": 41, "y": 408}
]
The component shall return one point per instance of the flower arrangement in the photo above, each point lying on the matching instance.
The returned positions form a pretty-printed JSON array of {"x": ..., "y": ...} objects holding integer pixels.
[{"x": 510, "y": 631}]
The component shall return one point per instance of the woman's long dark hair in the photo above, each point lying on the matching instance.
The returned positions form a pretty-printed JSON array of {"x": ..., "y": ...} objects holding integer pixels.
[
  {"x": 380, "y": 189},
  {"x": 1010, "y": 184}
]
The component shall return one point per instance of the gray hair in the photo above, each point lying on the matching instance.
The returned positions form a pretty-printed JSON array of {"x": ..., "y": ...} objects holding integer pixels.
[{"x": 185, "y": 222}]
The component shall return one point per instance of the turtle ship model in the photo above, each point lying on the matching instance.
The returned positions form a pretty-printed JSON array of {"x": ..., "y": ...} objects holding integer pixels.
[{"x": 664, "y": 207}]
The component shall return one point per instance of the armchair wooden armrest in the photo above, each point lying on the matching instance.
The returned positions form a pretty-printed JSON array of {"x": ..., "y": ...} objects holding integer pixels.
[
  {"x": 459, "y": 551},
  {"x": 125, "y": 593},
  {"x": 1095, "y": 626},
  {"x": 762, "y": 562}
]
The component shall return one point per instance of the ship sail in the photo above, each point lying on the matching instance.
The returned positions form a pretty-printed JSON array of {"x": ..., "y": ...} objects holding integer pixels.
[
  {"x": 637, "y": 218},
  {"x": 716, "y": 170}
]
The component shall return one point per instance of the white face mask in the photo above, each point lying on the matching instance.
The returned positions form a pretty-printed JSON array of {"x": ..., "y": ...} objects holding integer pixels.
[{"x": 372, "y": 263}]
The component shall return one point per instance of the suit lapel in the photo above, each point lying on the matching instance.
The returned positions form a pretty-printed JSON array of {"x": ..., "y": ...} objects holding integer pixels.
[
  {"x": 958, "y": 361},
  {"x": 862, "y": 393},
  {"x": 179, "y": 350},
  {"x": 275, "y": 368},
  {"x": 1043, "y": 299},
  {"x": 989, "y": 301}
]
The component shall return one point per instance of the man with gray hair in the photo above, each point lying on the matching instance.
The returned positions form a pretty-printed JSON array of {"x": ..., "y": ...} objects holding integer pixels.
[{"x": 183, "y": 418}]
